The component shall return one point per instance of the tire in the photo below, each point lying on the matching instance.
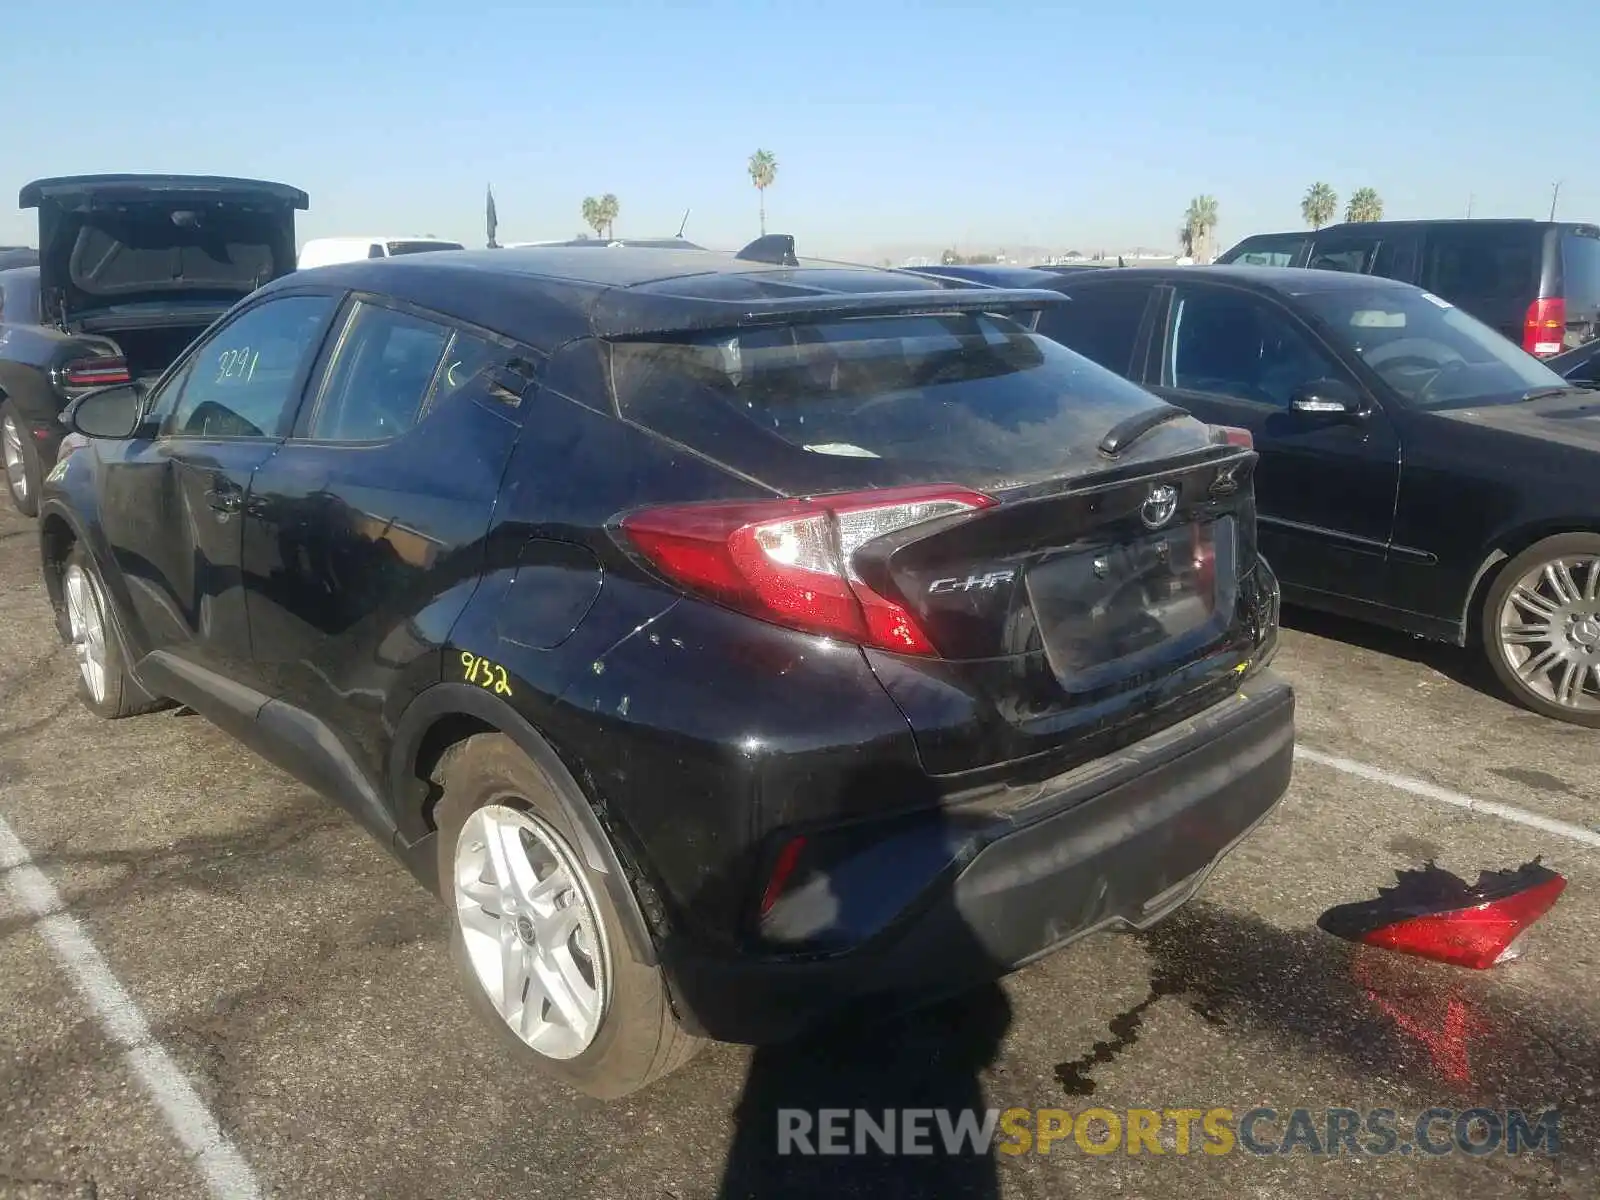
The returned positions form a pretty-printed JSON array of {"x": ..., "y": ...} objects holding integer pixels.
[
  {"x": 1550, "y": 623},
  {"x": 489, "y": 785},
  {"x": 111, "y": 691},
  {"x": 19, "y": 462}
]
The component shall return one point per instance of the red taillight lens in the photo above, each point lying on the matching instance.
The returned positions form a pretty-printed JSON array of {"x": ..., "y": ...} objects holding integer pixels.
[
  {"x": 1544, "y": 330},
  {"x": 95, "y": 372},
  {"x": 788, "y": 858},
  {"x": 1233, "y": 435},
  {"x": 1477, "y": 937},
  {"x": 789, "y": 561}
]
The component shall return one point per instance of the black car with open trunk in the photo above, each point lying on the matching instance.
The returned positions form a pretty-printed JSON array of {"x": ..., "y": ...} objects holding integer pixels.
[{"x": 727, "y": 640}]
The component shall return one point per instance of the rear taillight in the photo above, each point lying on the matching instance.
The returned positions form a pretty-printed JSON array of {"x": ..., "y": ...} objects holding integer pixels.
[
  {"x": 1476, "y": 937},
  {"x": 1232, "y": 435},
  {"x": 1432, "y": 913},
  {"x": 789, "y": 561},
  {"x": 1545, "y": 327},
  {"x": 94, "y": 372}
]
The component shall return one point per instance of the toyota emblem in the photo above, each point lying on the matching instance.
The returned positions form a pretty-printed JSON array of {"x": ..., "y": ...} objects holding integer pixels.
[{"x": 1159, "y": 506}]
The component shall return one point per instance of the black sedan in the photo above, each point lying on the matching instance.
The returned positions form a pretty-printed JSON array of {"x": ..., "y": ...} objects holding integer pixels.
[
  {"x": 1417, "y": 469},
  {"x": 723, "y": 637},
  {"x": 1580, "y": 366}
]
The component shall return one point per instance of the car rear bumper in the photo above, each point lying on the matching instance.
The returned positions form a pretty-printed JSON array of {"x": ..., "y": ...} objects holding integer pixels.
[{"x": 1122, "y": 841}]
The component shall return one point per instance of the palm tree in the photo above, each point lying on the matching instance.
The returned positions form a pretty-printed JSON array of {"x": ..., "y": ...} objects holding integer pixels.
[
  {"x": 1198, "y": 224},
  {"x": 1320, "y": 204},
  {"x": 1365, "y": 205},
  {"x": 763, "y": 171},
  {"x": 593, "y": 215},
  {"x": 609, "y": 208}
]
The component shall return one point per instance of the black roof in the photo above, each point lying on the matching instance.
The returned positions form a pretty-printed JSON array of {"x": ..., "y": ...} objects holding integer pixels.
[
  {"x": 80, "y": 189},
  {"x": 547, "y": 295}
]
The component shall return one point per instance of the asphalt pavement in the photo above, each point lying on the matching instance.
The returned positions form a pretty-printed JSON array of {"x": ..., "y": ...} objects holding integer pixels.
[{"x": 238, "y": 992}]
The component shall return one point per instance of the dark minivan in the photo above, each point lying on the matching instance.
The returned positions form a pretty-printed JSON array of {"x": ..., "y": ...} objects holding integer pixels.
[{"x": 1537, "y": 282}]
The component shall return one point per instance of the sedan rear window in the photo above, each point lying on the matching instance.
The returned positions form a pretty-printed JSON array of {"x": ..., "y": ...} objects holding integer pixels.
[{"x": 975, "y": 393}]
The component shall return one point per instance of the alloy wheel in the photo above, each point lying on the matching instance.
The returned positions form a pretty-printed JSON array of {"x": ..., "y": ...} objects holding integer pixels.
[
  {"x": 531, "y": 929},
  {"x": 11, "y": 449},
  {"x": 87, "y": 626},
  {"x": 1549, "y": 631}
]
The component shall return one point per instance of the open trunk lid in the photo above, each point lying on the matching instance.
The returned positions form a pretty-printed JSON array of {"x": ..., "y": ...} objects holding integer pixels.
[{"x": 127, "y": 247}]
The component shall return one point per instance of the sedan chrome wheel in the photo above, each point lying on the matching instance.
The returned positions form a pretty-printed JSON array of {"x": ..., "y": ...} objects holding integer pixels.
[
  {"x": 11, "y": 449},
  {"x": 87, "y": 626},
  {"x": 1549, "y": 631},
  {"x": 530, "y": 929}
]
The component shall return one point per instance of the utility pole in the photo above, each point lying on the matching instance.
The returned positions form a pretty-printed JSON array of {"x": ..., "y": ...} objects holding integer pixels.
[{"x": 1554, "y": 194}]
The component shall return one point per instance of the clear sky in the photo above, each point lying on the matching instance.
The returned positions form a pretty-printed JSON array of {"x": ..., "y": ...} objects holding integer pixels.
[{"x": 895, "y": 124}]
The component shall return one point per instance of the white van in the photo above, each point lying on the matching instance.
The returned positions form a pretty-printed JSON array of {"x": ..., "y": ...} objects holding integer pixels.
[{"x": 319, "y": 252}]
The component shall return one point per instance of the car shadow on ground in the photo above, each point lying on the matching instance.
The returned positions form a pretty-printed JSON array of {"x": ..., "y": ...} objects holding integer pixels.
[
  {"x": 931, "y": 1058},
  {"x": 1462, "y": 664}
]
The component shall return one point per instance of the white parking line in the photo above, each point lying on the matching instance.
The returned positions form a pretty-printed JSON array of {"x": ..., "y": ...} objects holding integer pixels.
[
  {"x": 1432, "y": 791},
  {"x": 227, "y": 1175}
]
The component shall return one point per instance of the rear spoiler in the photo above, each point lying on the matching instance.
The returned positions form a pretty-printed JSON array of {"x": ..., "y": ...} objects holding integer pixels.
[{"x": 634, "y": 318}]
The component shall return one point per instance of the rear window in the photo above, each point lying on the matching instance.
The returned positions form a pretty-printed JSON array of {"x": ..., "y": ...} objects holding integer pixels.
[
  {"x": 1484, "y": 264},
  {"x": 1580, "y": 269},
  {"x": 422, "y": 247},
  {"x": 975, "y": 394}
]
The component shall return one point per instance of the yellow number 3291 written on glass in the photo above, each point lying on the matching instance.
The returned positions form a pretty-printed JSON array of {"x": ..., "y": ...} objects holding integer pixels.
[{"x": 486, "y": 674}]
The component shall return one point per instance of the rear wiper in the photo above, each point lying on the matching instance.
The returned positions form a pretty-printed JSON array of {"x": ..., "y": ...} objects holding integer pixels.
[{"x": 1125, "y": 432}]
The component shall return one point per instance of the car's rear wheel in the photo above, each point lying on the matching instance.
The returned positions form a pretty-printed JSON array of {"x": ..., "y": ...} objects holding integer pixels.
[
  {"x": 1541, "y": 627},
  {"x": 24, "y": 472},
  {"x": 537, "y": 940},
  {"x": 105, "y": 685}
]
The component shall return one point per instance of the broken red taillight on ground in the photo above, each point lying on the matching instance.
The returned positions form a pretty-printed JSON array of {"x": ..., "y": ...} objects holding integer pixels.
[{"x": 1433, "y": 914}]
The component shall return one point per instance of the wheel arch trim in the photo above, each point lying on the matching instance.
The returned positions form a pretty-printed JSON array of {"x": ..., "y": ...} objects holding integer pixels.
[{"x": 443, "y": 701}]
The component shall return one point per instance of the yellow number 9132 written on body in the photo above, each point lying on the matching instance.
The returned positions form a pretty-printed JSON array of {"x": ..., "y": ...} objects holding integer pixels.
[{"x": 485, "y": 674}]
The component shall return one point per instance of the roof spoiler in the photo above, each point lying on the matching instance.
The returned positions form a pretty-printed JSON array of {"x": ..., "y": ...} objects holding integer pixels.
[
  {"x": 690, "y": 315},
  {"x": 774, "y": 248}
]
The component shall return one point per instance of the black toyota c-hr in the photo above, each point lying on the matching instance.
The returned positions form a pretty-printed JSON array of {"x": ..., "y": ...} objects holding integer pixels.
[{"x": 728, "y": 641}]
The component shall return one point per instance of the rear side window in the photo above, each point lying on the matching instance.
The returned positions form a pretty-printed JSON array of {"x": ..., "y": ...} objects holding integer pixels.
[
  {"x": 1101, "y": 323},
  {"x": 1487, "y": 264},
  {"x": 975, "y": 394},
  {"x": 1265, "y": 251},
  {"x": 383, "y": 367},
  {"x": 1580, "y": 269},
  {"x": 1351, "y": 254}
]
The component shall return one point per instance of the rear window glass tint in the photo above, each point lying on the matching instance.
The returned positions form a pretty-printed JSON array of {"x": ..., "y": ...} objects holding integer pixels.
[
  {"x": 975, "y": 394},
  {"x": 1101, "y": 323},
  {"x": 421, "y": 247},
  {"x": 1581, "y": 270},
  {"x": 1492, "y": 263}
]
